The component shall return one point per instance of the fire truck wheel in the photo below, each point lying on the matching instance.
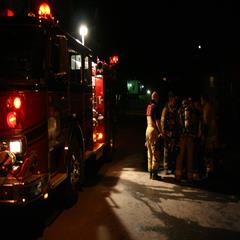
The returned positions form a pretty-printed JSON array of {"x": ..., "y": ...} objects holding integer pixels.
[{"x": 75, "y": 175}]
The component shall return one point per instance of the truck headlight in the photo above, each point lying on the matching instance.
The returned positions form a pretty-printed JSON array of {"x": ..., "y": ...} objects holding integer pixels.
[{"x": 15, "y": 146}]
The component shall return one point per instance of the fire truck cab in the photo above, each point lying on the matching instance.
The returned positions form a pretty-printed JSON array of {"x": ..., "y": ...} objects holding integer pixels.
[{"x": 53, "y": 116}]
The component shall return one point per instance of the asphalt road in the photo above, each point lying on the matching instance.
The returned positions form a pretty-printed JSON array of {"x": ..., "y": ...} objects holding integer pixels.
[{"x": 125, "y": 204}]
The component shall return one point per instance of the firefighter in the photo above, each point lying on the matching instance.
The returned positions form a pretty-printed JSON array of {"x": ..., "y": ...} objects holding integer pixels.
[
  {"x": 170, "y": 131},
  {"x": 188, "y": 133},
  {"x": 153, "y": 132},
  {"x": 209, "y": 134}
]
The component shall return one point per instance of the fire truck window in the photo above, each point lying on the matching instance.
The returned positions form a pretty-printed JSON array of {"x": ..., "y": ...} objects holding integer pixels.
[
  {"x": 87, "y": 71},
  {"x": 76, "y": 65},
  {"x": 22, "y": 54},
  {"x": 75, "y": 62}
]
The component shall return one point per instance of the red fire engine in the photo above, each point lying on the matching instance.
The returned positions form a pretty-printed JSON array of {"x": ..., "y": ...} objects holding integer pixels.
[{"x": 55, "y": 112}]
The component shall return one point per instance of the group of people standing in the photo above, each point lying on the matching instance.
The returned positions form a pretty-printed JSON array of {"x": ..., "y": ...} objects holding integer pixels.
[{"x": 180, "y": 137}]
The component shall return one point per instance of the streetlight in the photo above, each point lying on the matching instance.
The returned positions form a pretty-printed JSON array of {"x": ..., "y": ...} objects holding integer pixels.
[{"x": 83, "y": 30}]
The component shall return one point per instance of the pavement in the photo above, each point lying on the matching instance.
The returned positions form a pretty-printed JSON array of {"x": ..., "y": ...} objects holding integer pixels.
[
  {"x": 124, "y": 203},
  {"x": 225, "y": 177}
]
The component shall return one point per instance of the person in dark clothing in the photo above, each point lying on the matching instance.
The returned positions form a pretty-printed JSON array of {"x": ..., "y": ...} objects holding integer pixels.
[
  {"x": 170, "y": 131},
  {"x": 188, "y": 132}
]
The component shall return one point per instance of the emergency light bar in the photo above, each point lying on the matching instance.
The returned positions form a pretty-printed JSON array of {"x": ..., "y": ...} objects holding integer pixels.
[{"x": 44, "y": 11}]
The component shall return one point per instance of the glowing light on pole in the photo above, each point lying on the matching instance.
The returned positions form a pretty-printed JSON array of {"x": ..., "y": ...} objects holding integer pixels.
[{"x": 83, "y": 31}]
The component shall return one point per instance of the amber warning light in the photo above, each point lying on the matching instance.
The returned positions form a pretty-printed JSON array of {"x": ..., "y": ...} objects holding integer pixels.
[
  {"x": 12, "y": 119},
  {"x": 44, "y": 10}
]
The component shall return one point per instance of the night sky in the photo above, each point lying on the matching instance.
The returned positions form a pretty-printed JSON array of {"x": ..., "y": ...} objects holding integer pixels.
[{"x": 156, "y": 38}]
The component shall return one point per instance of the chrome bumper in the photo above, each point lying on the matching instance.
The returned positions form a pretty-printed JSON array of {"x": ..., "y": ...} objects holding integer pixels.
[{"x": 15, "y": 192}]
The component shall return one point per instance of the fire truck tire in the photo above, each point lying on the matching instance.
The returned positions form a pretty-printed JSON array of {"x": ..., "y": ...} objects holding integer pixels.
[{"x": 75, "y": 174}]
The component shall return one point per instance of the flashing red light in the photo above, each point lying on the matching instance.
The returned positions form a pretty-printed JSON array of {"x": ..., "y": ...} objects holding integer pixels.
[
  {"x": 44, "y": 10},
  {"x": 12, "y": 119},
  {"x": 10, "y": 13},
  {"x": 6, "y": 12},
  {"x": 17, "y": 102},
  {"x": 113, "y": 59},
  {"x": 14, "y": 102}
]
